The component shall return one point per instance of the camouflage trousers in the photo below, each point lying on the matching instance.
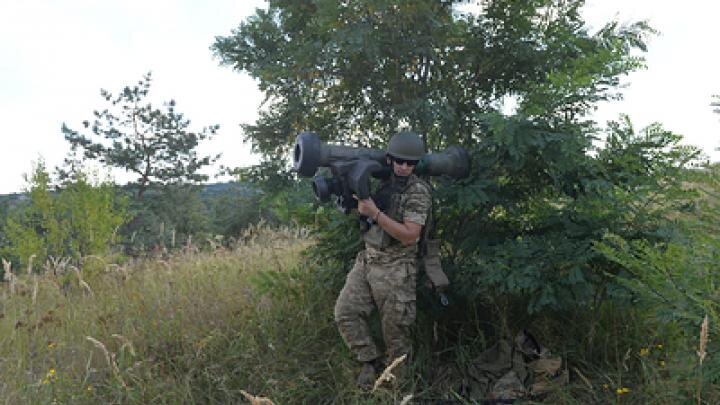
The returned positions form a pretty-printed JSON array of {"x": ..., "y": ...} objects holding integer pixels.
[{"x": 390, "y": 287}]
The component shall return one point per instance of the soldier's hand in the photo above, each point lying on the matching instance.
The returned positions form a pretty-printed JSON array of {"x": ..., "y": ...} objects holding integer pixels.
[{"x": 366, "y": 207}]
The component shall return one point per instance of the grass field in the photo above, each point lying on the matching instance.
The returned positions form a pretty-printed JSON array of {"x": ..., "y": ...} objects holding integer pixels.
[
  {"x": 161, "y": 330},
  {"x": 221, "y": 326}
]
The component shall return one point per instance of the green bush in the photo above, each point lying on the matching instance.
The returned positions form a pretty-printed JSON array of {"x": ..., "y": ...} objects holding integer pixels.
[
  {"x": 677, "y": 279},
  {"x": 82, "y": 218},
  {"x": 167, "y": 217}
]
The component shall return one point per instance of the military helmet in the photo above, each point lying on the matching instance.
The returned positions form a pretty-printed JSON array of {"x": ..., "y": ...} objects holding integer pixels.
[{"x": 406, "y": 145}]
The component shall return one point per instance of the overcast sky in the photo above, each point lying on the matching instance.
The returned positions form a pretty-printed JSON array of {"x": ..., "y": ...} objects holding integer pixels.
[{"x": 56, "y": 55}]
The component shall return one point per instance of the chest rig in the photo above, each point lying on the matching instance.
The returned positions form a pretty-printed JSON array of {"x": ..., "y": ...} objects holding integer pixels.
[{"x": 389, "y": 198}]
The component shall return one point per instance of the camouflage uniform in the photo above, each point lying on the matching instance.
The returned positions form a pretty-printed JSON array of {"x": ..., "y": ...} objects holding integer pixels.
[{"x": 384, "y": 275}]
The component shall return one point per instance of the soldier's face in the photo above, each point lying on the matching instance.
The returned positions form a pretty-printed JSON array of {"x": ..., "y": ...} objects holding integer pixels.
[{"x": 403, "y": 169}]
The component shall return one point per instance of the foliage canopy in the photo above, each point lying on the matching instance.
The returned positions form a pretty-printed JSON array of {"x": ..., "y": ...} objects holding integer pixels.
[
  {"x": 541, "y": 190},
  {"x": 355, "y": 71}
]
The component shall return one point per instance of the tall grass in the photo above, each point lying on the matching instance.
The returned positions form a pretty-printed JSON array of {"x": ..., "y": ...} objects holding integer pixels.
[
  {"x": 221, "y": 326},
  {"x": 195, "y": 328},
  {"x": 254, "y": 321}
]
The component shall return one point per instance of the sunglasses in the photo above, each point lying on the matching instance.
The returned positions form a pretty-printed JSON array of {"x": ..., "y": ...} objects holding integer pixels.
[{"x": 401, "y": 161}]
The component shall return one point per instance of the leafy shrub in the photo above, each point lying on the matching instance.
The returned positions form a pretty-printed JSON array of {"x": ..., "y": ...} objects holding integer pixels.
[
  {"x": 80, "y": 219},
  {"x": 167, "y": 217},
  {"x": 677, "y": 278},
  {"x": 544, "y": 199}
]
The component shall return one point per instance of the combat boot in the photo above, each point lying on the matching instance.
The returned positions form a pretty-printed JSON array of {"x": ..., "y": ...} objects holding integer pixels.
[{"x": 368, "y": 374}]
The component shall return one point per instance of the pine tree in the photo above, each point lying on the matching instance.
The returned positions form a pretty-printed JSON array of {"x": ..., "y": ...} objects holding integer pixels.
[{"x": 153, "y": 143}]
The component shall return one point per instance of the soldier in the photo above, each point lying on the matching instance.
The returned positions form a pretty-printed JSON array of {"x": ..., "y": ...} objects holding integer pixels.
[{"x": 384, "y": 274}]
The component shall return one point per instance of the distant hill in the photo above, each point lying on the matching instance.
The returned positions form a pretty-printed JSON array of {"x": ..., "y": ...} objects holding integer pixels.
[
  {"x": 210, "y": 188},
  {"x": 231, "y": 187},
  {"x": 208, "y": 192},
  {"x": 14, "y": 199}
]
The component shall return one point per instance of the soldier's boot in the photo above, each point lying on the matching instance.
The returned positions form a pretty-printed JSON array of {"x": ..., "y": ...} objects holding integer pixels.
[{"x": 368, "y": 374}]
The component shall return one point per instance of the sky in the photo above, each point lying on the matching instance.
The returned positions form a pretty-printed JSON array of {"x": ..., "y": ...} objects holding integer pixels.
[{"x": 55, "y": 56}]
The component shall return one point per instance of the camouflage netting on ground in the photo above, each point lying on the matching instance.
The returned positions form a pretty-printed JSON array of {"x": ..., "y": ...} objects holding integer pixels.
[{"x": 521, "y": 369}]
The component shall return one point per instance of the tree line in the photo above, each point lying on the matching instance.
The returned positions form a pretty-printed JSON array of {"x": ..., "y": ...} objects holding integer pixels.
[{"x": 72, "y": 212}]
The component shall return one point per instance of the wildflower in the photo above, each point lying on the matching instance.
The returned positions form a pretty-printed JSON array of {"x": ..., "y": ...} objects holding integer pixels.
[
  {"x": 662, "y": 363},
  {"x": 605, "y": 387},
  {"x": 659, "y": 346},
  {"x": 51, "y": 345},
  {"x": 623, "y": 390},
  {"x": 644, "y": 351},
  {"x": 89, "y": 388},
  {"x": 49, "y": 377}
]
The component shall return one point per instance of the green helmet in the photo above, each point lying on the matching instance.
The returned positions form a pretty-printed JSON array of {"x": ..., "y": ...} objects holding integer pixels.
[{"x": 406, "y": 145}]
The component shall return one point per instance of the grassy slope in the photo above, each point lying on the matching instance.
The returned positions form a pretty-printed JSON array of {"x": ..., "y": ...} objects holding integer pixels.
[
  {"x": 191, "y": 328},
  {"x": 195, "y": 327},
  {"x": 203, "y": 327}
]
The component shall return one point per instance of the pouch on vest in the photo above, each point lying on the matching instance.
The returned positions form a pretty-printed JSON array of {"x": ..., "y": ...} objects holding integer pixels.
[
  {"x": 429, "y": 257},
  {"x": 376, "y": 238},
  {"x": 431, "y": 264}
]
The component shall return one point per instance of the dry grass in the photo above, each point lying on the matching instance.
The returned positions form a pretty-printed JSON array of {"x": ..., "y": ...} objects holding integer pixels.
[
  {"x": 207, "y": 327},
  {"x": 702, "y": 353},
  {"x": 387, "y": 376},
  {"x": 113, "y": 331},
  {"x": 216, "y": 326},
  {"x": 256, "y": 400},
  {"x": 703, "y": 340}
]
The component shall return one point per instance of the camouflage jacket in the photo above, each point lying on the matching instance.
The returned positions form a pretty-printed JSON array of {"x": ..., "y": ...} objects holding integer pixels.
[{"x": 412, "y": 203}]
